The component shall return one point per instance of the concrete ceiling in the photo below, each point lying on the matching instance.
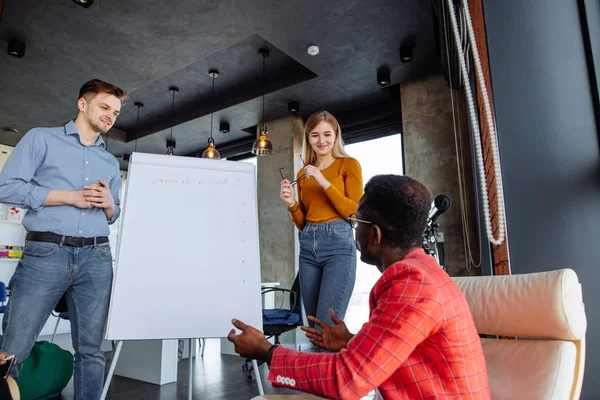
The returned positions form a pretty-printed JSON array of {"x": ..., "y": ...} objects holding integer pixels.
[{"x": 146, "y": 46}]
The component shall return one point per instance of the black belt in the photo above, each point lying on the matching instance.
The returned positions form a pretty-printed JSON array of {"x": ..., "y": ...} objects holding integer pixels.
[{"x": 65, "y": 240}]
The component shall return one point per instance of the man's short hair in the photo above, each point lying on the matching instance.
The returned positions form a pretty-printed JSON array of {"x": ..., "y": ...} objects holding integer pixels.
[
  {"x": 399, "y": 205},
  {"x": 96, "y": 86}
]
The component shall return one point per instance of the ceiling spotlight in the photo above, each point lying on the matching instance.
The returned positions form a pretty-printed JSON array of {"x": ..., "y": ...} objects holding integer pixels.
[
  {"x": 16, "y": 48},
  {"x": 383, "y": 76},
  {"x": 171, "y": 144},
  {"x": 224, "y": 127},
  {"x": 293, "y": 106},
  {"x": 406, "y": 53},
  {"x": 10, "y": 129},
  {"x": 84, "y": 3},
  {"x": 313, "y": 50}
]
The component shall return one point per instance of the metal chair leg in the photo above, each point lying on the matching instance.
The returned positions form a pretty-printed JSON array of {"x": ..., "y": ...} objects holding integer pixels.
[{"x": 55, "y": 329}]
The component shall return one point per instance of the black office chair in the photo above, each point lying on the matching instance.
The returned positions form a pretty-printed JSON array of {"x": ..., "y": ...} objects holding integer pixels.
[
  {"x": 277, "y": 321},
  {"x": 61, "y": 311},
  {"x": 3, "y": 297}
]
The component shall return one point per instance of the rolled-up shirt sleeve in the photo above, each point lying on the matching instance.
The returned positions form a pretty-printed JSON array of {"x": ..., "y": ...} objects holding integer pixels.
[
  {"x": 115, "y": 188},
  {"x": 16, "y": 188}
]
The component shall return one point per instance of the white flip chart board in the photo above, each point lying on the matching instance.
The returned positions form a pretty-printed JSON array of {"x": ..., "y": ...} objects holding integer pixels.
[{"x": 188, "y": 254}]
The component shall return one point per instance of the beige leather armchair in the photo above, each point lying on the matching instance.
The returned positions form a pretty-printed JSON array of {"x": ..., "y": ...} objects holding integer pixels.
[{"x": 545, "y": 311}]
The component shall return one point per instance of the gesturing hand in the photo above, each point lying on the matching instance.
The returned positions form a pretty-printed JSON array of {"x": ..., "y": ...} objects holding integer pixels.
[
  {"x": 251, "y": 343},
  {"x": 287, "y": 193},
  {"x": 310, "y": 171},
  {"x": 332, "y": 338},
  {"x": 3, "y": 356},
  {"x": 98, "y": 195}
]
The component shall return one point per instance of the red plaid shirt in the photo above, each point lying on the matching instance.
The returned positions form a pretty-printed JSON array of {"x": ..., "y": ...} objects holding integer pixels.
[{"x": 420, "y": 342}]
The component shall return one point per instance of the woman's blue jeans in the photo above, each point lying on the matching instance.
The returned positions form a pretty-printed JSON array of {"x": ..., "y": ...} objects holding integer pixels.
[{"x": 327, "y": 268}]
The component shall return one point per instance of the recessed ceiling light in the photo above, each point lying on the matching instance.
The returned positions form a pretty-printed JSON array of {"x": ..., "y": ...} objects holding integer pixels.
[
  {"x": 383, "y": 76},
  {"x": 16, "y": 48},
  {"x": 313, "y": 50},
  {"x": 293, "y": 106},
  {"x": 224, "y": 127},
  {"x": 84, "y": 3}
]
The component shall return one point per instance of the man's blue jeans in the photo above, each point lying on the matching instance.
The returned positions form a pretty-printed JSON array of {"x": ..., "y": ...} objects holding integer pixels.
[
  {"x": 327, "y": 268},
  {"x": 44, "y": 274}
]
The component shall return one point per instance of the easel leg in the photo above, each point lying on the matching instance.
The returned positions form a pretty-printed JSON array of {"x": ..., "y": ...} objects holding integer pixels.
[
  {"x": 191, "y": 368},
  {"x": 111, "y": 371},
  {"x": 258, "y": 380}
]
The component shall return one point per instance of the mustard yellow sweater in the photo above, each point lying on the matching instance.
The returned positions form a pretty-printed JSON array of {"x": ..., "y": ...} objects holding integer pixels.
[{"x": 339, "y": 201}]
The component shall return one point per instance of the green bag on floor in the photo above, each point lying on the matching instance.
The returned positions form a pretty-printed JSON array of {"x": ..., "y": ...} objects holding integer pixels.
[{"x": 46, "y": 372}]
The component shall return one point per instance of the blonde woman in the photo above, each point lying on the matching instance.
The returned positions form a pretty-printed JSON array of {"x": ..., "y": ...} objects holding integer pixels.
[{"x": 329, "y": 187}]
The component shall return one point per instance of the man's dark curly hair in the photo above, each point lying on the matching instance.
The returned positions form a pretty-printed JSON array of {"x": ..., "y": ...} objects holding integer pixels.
[{"x": 399, "y": 205}]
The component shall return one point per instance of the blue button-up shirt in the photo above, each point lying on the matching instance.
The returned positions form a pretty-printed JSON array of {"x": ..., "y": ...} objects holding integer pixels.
[{"x": 55, "y": 159}]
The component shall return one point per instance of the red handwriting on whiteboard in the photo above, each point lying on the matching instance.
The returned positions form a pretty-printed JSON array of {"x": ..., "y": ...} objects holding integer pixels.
[
  {"x": 218, "y": 181},
  {"x": 187, "y": 181},
  {"x": 172, "y": 181}
]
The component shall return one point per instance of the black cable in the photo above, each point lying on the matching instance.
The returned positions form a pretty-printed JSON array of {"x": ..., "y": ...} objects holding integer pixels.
[
  {"x": 263, "y": 85},
  {"x": 212, "y": 113},
  {"x": 172, "y": 113},
  {"x": 137, "y": 124}
]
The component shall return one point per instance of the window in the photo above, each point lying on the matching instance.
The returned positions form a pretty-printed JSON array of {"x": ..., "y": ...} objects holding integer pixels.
[{"x": 377, "y": 156}]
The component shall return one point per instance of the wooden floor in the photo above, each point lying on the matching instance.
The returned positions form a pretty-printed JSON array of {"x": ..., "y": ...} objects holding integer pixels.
[{"x": 217, "y": 377}]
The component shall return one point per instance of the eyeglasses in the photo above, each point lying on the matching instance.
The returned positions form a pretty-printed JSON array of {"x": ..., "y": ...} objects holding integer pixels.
[
  {"x": 299, "y": 178},
  {"x": 354, "y": 221}
]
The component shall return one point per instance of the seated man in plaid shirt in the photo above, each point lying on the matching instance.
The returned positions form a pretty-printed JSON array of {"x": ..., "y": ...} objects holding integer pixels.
[{"x": 420, "y": 340}]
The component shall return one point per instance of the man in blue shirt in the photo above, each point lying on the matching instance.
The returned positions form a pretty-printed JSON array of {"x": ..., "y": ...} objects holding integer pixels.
[{"x": 70, "y": 185}]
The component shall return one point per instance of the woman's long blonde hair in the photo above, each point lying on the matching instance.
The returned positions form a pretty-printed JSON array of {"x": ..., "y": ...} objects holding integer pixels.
[{"x": 310, "y": 157}]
